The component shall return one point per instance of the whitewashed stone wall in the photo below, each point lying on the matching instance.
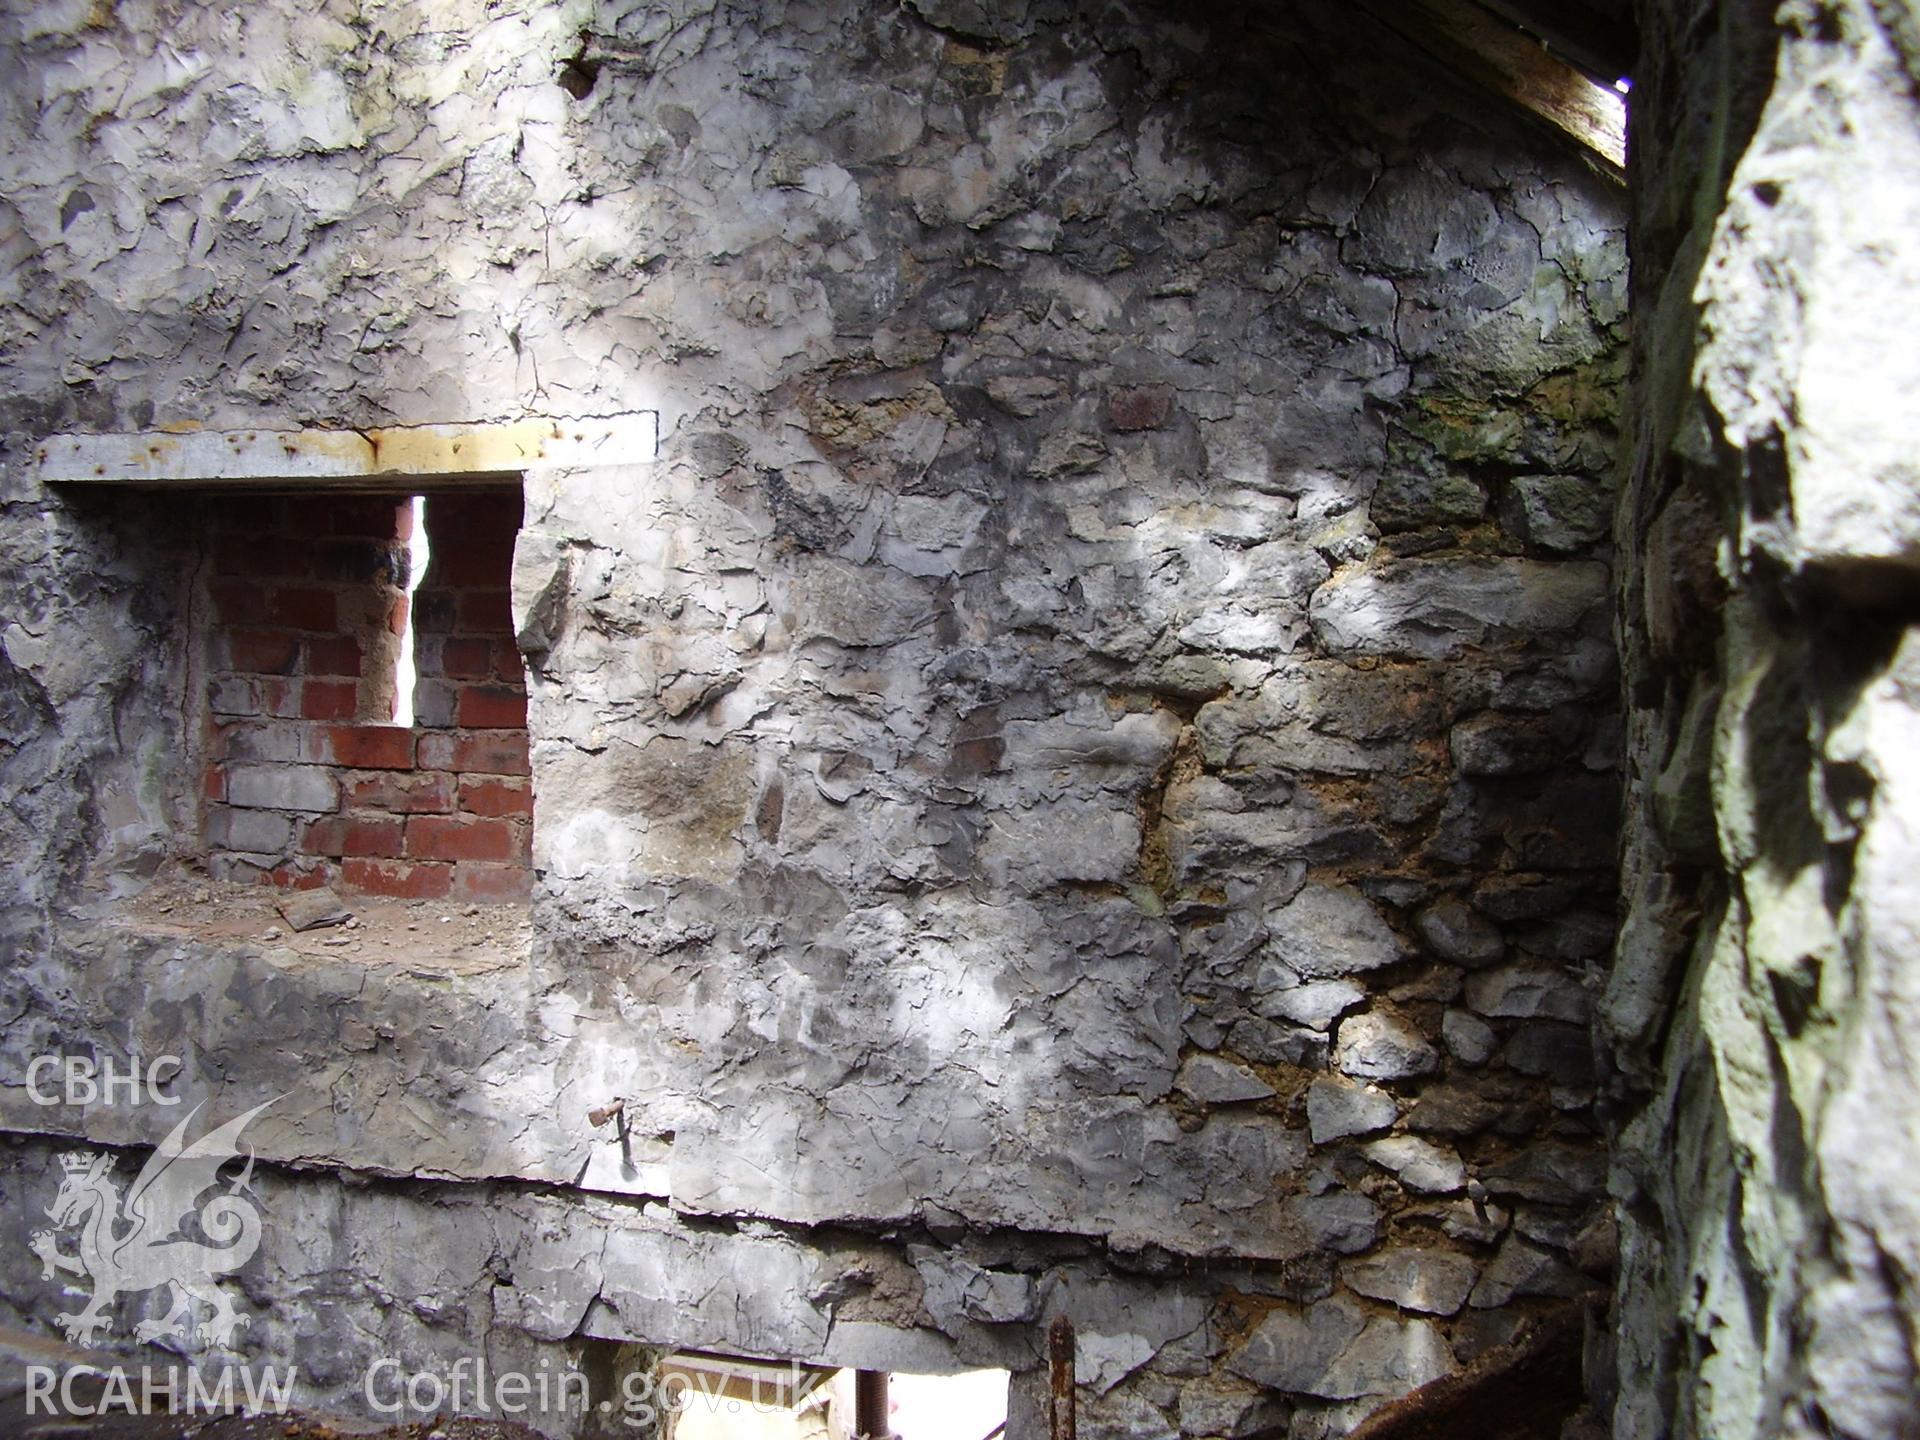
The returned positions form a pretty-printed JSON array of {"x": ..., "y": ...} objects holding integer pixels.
[{"x": 1083, "y": 778}]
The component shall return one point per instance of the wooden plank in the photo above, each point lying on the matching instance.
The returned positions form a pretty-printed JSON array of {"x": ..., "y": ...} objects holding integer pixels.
[
  {"x": 395, "y": 454},
  {"x": 1493, "y": 54},
  {"x": 1599, "y": 40}
]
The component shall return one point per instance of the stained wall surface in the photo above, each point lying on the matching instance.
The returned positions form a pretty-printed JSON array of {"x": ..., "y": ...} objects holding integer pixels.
[
  {"x": 1083, "y": 778},
  {"x": 1760, "y": 1011}
]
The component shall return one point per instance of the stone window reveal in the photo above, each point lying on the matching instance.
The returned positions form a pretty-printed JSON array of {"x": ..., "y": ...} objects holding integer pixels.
[
  {"x": 309, "y": 780},
  {"x": 364, "y": 725}
]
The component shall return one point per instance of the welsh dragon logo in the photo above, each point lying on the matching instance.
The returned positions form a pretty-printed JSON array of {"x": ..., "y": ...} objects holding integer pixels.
[{"x": 134, "y": 1243}]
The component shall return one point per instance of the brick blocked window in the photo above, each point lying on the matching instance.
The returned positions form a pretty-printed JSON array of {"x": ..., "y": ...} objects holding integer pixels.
[{"x": 309, "y": 781}]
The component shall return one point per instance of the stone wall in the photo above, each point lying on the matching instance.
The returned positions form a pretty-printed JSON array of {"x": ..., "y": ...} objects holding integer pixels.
[
  {"x": 1082, "y": 781},
  {"x": 1760, "y": 1011}
]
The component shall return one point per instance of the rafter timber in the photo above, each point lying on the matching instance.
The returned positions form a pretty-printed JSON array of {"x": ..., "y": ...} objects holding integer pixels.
[{"x": 1493, "y": 54}]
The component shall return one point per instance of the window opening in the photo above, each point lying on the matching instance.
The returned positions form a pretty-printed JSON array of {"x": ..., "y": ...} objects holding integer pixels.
[
  {"x": 330, "y": 616},
  {"x": 419, "y": 555},
  {"x": 718, "y": 1397}
]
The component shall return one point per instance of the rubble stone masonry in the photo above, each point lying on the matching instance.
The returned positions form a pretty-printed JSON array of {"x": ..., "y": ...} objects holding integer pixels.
[
  {"x": 1083, "y": 780},
  {"x": 1757, "y": 1024}
]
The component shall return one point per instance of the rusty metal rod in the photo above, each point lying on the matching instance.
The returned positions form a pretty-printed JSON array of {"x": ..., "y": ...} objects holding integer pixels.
[{"x": 1061, "y": 1423}]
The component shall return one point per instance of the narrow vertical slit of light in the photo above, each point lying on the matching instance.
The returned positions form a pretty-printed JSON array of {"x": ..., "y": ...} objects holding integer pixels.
[{"x": 405, "y": 672}]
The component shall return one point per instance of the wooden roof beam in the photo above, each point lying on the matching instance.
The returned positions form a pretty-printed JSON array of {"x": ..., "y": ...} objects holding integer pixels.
[
  {"x": 1601, "y": 43},
  {"x": 1493, "y": 54}
]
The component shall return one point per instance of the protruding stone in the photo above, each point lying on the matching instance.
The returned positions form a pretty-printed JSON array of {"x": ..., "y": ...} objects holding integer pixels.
[
  {"x": 1522, "y": 1268},
  {"x": 1552, "y": 1227},
  {"x": 1468, "y": 1038},
  {"x": 1292, "y": 1351},
  {"x": 1316, "y": 1004},
  {"x": 1101, "y": 1362},
  {"x": 1562, "y": 513},
  {"x": 1455, "y": 931},
  {"x": 1476, "y": 1224},
  {"x": 1067, "y": 452},
  {"x": 539, "y": 589},
  {"x": 1551, "y": 1171},
  {"x": 1334, "y": 1352},
  {"x": 1434, "y": 1282},
  {"x": 1520, "y": 992},
  {"x": 1409, "y": 499},
  {"x": 1209, "y": 1080},
  {"x": 1508, "y": 898},
  {"x": 958, "y": 1290},
  {"x": 1436, "y": 982},
  {"x": 1391, "y": 1357},
  {"x": 1339, "y": 1108},
  {"x": 1596, "y": 1249},
  {"x": 1268, "y": 1043},
  {"x": 1455, "y": 1110},
  {"x": 1342, "y": 1221},
  {"x": 1496, "y": 744},
  {"x": 1419, "y": 1164},
  {"x": 1331, "y": 930},
  {"x": 1380, "y": 1046},
  {"x": 1025, "y": 395},
  {"x": 1229, "y": 1409},
  {"x": 1306, "y": 1277},
  {"x": 1576, "y": 936}
]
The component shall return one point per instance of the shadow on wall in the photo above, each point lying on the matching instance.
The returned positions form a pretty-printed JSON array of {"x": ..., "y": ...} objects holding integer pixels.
[
  {"x": 1089, "y": 758},
  {"x": 1760, "y": 1093},
  {"x": 1140, "y": 649}
]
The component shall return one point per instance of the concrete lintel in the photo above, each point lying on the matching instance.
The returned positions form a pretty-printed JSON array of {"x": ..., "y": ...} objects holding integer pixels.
[{"x": 348, "y": 457}]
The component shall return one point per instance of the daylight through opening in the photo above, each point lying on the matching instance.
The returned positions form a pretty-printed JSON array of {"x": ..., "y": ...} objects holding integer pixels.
[{"x": 419, "y": 553}]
